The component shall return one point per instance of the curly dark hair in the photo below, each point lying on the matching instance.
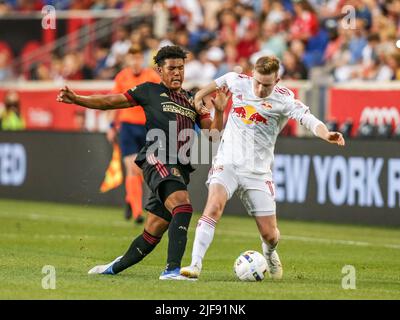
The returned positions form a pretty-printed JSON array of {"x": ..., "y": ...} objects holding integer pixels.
[{"x": 169, "y": 52}]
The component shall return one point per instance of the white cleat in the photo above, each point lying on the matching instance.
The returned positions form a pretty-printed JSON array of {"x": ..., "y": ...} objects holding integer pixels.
[
  {"x": 104, "y": 269},
  {"x": 274, "y": 265},
  {"x": 192, "y": 272}
]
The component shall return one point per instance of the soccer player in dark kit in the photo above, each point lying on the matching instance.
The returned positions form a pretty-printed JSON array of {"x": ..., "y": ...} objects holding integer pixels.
[{"x": 166, "y": 105}]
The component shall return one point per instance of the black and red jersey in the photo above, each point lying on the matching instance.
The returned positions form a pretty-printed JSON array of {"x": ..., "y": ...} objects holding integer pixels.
[{"x": 170, "y": 121}]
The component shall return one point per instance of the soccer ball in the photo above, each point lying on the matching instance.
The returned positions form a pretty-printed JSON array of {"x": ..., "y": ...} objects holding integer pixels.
[{"x": 250, "y": 266}]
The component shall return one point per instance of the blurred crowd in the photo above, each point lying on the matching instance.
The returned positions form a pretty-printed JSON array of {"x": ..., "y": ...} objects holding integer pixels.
[
  {"x": 36, "y": 5},
  {"x": 347, "y": 39}
]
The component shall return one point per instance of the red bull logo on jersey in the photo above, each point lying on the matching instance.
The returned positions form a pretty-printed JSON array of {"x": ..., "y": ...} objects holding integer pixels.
[{"x": 248, "y": 114}]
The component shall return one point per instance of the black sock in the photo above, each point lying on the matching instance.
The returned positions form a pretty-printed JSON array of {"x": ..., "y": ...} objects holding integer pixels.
[
  {"x": 140, "y": 247},
  {"x": 177, "y": 233}
]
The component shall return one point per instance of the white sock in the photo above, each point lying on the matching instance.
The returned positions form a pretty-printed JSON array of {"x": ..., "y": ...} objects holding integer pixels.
[
  {"x": 202, "y": 240},
  {"x": 267, "y": 247}
]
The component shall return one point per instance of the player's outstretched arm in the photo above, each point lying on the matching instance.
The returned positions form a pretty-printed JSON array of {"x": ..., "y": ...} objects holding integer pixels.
[
  {"x": 329, "y": 136},
  {"x": 219, "y": 102},
  {"x": 221, "y": 99},
  {"x": 102, "y": 102},
  {"x": 216, "y": 125},
  {"x": 198, "y": 99}
]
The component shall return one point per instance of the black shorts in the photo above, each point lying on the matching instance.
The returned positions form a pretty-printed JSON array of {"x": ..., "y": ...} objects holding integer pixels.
[{"x": 173, "y": 177}]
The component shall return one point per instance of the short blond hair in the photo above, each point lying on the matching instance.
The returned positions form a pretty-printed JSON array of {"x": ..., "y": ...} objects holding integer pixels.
[{"x": 267, "y": 65}]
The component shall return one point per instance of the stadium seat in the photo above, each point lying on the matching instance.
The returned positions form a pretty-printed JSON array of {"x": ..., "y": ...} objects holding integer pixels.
[
  {"x": 366, "y": 130},
  {"x": 384, "y": 130},
  {"x": 315, "y": 49},
  {"x": 5, "y": 47},
  {"x": 26, "y": 54},
  {"x": 332, "y": 125},
  {"x": 346, "y": 128},
  {"x": 396, "y": 133}
]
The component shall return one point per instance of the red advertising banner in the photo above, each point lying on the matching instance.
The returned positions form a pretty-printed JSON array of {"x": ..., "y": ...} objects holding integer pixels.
[
  {"x": 41, "y": 111},
  {"x": 361, "y": 105}
]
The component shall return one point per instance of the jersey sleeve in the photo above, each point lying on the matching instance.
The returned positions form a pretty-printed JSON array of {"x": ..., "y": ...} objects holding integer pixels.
[
  {"x": 226, "y": 80},
  {"x": 138, "y": 95},
  {"x": 297, "y": 110},
  {"x": 199, "y": 118}
]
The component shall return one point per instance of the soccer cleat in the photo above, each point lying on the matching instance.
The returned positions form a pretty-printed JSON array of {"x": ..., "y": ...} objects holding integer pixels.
[
  {"x": 139, "y": 219},
  {"x": 274, "y": 265},
  {"x": 104, "y": 269},
  {"x": 192, "y": 272},
  {"x": 174, "y": 275}
]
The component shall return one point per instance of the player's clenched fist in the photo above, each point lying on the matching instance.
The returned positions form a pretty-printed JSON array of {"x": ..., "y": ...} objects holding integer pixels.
[
  {"x": 200, "y": 108},
  {"x": 66, "y": 95},
  {"x": 336, "y": 137}
]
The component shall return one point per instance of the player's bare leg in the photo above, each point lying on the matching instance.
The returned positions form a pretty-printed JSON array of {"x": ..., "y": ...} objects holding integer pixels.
[
  {"x": 141, "y": 246},
  {"x": 155, "y": 225},
  {"x": 217, "y": 198},
  {"x": 270, "y": 235}
]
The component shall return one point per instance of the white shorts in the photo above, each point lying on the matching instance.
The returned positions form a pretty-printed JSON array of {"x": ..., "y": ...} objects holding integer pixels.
[{"x": 257, "y": 195}]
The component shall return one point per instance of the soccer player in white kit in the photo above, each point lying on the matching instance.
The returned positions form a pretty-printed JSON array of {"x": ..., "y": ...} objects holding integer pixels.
[{"x": 243, "y": 161}]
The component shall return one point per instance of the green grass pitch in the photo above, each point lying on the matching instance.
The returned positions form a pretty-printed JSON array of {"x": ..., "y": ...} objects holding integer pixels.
[{"x": 75, "y": 238}]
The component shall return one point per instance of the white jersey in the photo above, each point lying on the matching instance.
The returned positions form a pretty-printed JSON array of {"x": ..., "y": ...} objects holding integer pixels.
[{"x": 254, "y": 123}]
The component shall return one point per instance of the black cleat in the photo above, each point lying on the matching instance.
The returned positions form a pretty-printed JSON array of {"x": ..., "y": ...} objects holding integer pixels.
[
  {"x": 139, "y": 219},
  {"x": 128, "y": 212}
]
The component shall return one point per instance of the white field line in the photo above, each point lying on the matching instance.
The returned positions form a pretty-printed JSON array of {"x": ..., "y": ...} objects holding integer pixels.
[
  {"x": 221, "y": 232},
  {"x": 218, "y": 231},
  {"x": 316, "y": 240}
]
